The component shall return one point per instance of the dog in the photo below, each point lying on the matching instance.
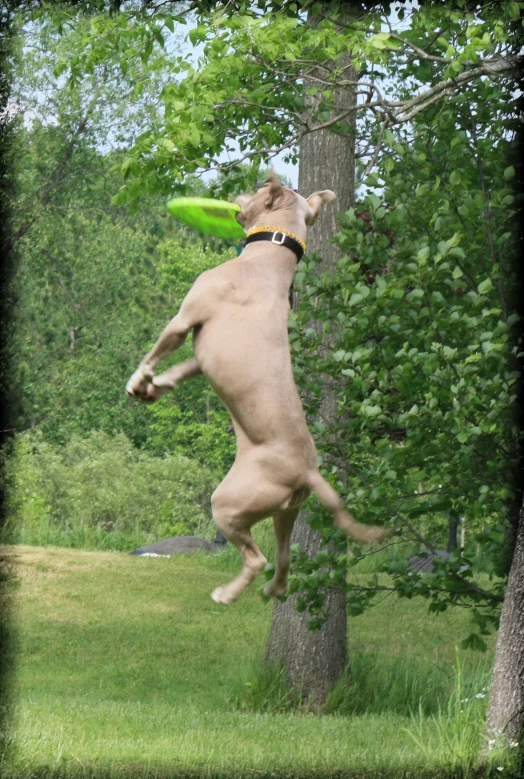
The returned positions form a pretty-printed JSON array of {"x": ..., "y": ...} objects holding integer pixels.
[{"x": 238, "y": 313}]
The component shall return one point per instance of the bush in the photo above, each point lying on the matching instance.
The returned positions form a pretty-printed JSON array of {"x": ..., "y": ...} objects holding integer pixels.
[{"x": 101, "y": 492}]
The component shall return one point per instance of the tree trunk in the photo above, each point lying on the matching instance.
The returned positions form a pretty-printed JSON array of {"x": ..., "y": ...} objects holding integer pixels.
[
  {"x": 315, "y": 660},
  {"x": 453, "y": 525},
  {"x": 505, "y": 719}
]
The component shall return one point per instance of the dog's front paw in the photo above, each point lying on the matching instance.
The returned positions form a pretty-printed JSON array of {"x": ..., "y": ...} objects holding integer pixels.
[
  {"x": 137, "y": 386},
  {"x": 161, "y": 385}
]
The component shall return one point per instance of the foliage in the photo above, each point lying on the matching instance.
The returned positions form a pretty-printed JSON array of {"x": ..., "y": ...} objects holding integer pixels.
[
  {"x": 89, "y": 304},
  {"x": 94, "y": 294},
  {"x": 86, "y": 284},
  {"x": 418, "y": 313},
  {"x": 101, "y": 492},
  {"x": 245, "y": 93},
  {"x": 95, "y": 283}
]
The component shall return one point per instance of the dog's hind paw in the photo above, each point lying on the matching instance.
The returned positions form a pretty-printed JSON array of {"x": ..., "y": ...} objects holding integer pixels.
[
  {"x": 221, "y": 596},
  {"x": 274, "y": 590}
]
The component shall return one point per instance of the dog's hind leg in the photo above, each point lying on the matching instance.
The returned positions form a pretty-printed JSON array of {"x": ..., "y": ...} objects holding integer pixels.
[
  {"x": 253, "y": 561},
  {"x": 283, "y": 528},
  {"x": 245, "y": 497}
]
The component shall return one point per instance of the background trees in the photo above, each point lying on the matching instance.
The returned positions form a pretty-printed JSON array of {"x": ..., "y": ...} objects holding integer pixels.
[{"x": 95, "y": 281}]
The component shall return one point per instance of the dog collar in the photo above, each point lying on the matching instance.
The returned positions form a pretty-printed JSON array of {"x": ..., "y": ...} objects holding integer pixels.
[{"x": 279, "y": 237}]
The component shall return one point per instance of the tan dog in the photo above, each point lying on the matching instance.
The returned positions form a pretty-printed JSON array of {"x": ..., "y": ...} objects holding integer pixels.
[{"x": 239, "y": 314}]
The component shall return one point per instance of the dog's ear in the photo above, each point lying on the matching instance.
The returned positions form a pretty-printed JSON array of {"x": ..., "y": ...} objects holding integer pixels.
[
  {"x": 316, "y": 203},
  {"x": 275, "y": 189},
  {"x": 242, "y": 201}
]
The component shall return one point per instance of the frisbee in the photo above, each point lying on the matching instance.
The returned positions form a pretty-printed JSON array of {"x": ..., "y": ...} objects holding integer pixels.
[{"x": 215, "y": 217}]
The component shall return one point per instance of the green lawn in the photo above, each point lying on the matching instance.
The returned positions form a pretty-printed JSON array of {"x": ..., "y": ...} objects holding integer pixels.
[{"x": 127, "y": 668}]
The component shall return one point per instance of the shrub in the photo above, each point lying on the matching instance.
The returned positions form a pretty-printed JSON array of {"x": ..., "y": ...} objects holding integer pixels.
[{"x": 101, "y": 488}]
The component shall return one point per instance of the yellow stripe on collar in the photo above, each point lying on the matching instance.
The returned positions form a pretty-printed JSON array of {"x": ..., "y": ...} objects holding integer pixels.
[{"x": 270, "y": 229}]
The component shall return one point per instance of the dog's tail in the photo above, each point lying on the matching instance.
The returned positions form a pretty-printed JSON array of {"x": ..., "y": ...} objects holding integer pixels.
[{"x": 343, "y": 520}]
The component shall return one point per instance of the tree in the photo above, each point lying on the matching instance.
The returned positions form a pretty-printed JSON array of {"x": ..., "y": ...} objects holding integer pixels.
[
  {"x": 505, "y": 720},
  {"x": 315, "y": 660},
  {"x": 472, "y": 201},
  {"x": 70, "y": 285}
]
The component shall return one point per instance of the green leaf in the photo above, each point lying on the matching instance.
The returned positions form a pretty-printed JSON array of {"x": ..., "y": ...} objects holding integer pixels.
[
  {"x": 194, "y": 135},
  {"x": 59, "y": 68},
  {"x": 422, "y": 255},
  {"x": 513, "y": 10},
  {"x": 379, "y": 41},
  {"x": 485, "y": 286},
  {"x": 371, "y": 411},
  {"x": 509, "y": 173},
  {"x": 355, "y": 298}
]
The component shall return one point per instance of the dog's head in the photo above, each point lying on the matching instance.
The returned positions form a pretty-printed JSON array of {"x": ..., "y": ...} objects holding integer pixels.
[{"x": 273, "y": 198}]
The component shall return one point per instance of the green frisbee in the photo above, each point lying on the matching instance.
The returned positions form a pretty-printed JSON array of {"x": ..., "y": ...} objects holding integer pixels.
[{"x": 215, "y": 217}]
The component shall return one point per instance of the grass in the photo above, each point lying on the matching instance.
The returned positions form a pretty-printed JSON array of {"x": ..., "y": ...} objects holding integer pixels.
[{"x": 127, "y": 668}]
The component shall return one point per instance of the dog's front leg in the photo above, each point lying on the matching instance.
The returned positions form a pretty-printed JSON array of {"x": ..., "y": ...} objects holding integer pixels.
[
  {"x": 171, "y": 339},
  {"x": 168, "y": 380},
  {"x": 195, "y": 310}
]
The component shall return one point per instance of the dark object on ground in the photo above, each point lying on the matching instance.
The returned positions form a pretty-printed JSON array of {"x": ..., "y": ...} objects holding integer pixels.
[
  {"x": 178, "y": 545},
  {"x": 426, "y": 562}
]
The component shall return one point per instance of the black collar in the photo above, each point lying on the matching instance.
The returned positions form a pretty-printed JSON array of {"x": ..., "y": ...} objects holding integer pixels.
[{"x": 278, "y": 237}]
